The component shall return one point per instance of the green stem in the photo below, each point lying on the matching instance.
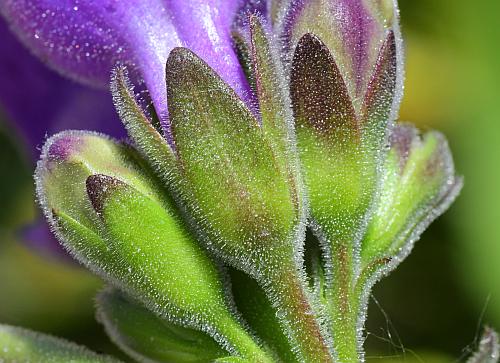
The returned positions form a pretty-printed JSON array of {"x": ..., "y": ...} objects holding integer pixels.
[
  {"x": 288, "y": 294},
  {"x": 343, "y": 306}
]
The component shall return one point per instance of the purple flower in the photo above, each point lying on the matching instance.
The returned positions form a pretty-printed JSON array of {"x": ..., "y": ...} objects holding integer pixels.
[{"x": 85, "y": 39}]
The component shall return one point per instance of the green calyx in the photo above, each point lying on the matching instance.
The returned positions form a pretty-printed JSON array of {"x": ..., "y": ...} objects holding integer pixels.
[
  {"x": 353, "y": 33},
  {"x": 236, "y": 175}
]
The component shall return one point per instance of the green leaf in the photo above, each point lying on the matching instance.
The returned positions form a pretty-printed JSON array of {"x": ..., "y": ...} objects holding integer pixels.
[
  {"x": 22, "y": 345},
  {"x": 144, "y": 336},
  {"x": 243, "y": 50},
  {"x": 318, "y": 91}
]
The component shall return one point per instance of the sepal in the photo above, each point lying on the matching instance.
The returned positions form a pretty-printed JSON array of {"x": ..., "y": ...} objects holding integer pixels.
[
  {"x": 342, "y": 120},
  {"x": 149, "y": 141},
  {"x": 338, "y": 182},
  {"x": 352, "y": 30},
  {"x": 234, "y": 182}
]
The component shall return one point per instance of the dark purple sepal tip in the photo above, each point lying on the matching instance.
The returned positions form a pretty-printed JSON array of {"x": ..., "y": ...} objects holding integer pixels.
[
  {"x": 318, "y": 91},
  {"x": 99, "y": 186}
]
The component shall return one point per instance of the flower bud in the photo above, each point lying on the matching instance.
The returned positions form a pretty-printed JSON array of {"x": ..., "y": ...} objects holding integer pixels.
[
  {"x": 108, "y": 209},
  {"x": 353, "y": 30},
  {"x": 67, "y": 160},
  {"x": 345, "y": 87},
  {"x": 340, "y": 145},
  {"x": 418, "y": 185}
]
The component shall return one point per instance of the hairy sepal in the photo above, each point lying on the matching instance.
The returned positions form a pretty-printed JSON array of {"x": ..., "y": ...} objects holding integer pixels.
[
  {"x": 234, "y": 182},
  {"x": 276, "y": 117},
  {"x": 181, "y": 282},
  {"x": 329, "y": 141},
  {"x": 418, "y": 184},
  {"x": 352, "y": 30},
  {"x": 147, "y": 139}
]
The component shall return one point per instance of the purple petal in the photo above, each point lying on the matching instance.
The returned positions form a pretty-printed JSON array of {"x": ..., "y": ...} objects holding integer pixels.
[
  {"x": 85, "y": 40},
  {"x": 205, "y": 28},
  {"x": 38, "y": 102}
]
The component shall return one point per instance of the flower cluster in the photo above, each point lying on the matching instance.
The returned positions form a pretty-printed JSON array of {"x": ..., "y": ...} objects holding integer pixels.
[{"x": 262, "y": 121}]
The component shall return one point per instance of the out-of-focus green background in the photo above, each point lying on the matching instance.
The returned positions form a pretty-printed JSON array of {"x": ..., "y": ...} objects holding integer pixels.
[{"x": 431, "y": 308}]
